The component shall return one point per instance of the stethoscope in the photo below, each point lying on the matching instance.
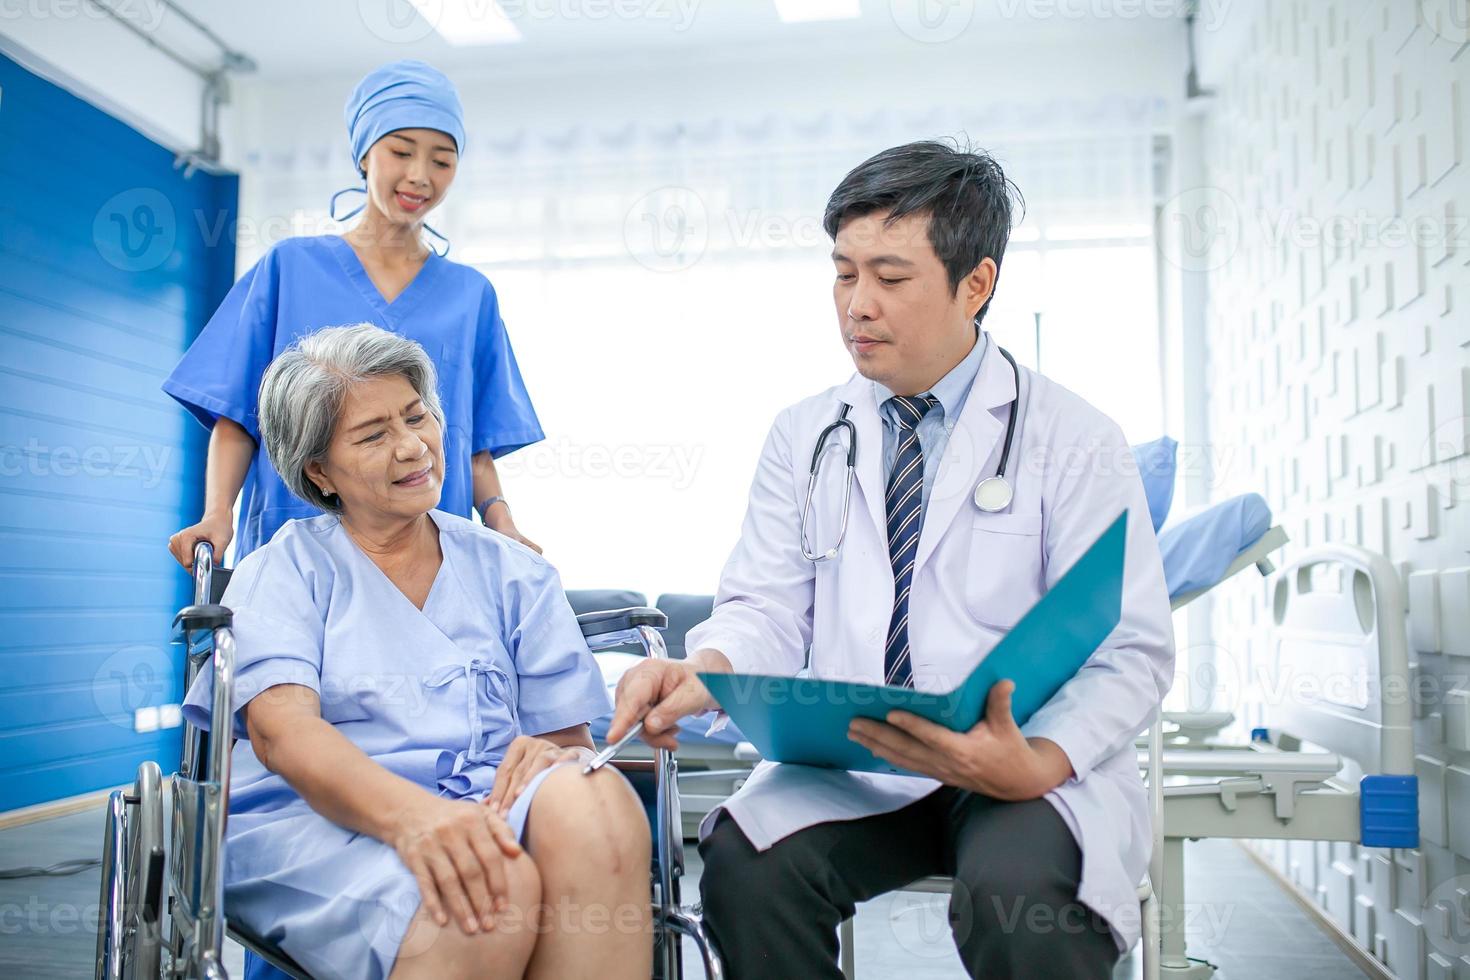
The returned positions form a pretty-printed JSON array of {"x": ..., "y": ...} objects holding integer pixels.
[{"x": 992, "y": 494}]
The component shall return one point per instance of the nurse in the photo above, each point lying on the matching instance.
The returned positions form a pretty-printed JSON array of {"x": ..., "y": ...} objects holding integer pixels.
[
  {"x": 406, "y": 132},
  {"x": 1044, "y": 828},
  {"x": 411, "y": 693}
]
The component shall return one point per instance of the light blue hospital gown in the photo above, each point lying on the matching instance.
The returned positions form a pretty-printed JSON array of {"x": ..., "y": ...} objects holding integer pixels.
[{"x": 435, "y": 696}]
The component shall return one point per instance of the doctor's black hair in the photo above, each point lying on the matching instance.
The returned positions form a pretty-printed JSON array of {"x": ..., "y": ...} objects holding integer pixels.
[{"x": 966, "y": 195}]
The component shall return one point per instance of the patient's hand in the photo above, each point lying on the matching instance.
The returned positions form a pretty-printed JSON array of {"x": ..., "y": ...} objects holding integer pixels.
[
  {"x": 993, "y": 758},
  {"x": 457, "y": 851},
  {"x": 526, "y": 757}
]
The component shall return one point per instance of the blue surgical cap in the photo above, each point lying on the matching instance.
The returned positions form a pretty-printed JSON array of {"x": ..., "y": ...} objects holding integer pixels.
[{"x": 402, "y": 95}]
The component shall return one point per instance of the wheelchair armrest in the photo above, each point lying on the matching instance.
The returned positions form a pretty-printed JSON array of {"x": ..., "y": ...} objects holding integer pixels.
[
  {"x": 627, "y": 766},
  {"x": 620, "y": 620},
  {"x": 208, "y": 617}
]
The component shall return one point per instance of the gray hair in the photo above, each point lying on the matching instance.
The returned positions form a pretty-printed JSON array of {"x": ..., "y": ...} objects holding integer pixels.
[{"x": 303, "y": 390}]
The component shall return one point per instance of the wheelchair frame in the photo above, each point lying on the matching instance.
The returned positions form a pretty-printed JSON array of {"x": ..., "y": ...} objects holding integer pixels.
[{"x": 147, "y": 886}]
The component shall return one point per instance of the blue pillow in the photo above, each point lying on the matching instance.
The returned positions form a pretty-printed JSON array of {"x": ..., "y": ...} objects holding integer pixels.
[{"x": 1157, "y": 463}]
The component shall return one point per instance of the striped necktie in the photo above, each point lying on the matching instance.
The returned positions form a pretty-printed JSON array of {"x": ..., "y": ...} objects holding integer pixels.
[{"x": 904, "y": 501}]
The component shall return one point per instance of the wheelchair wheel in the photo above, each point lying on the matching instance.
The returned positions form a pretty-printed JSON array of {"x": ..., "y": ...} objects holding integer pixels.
[
  {"x": 129, "y": 929},
  {"x": 143, "y": 889}
]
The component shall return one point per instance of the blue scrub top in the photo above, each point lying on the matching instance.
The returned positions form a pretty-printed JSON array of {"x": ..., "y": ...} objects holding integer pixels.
[{"x": 304, "y": 284}]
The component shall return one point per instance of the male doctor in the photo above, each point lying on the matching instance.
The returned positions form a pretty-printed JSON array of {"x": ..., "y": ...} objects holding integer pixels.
[{"x": 1045, "y": 828}]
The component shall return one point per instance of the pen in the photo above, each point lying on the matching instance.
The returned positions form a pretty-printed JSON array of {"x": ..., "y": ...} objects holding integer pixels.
[{"x": 602, "y": 758}]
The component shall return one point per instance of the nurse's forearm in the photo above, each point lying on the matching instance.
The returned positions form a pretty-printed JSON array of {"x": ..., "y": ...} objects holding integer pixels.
[
  {"x": 230, "y": 451},
  {"x": 485, "y": 482}
]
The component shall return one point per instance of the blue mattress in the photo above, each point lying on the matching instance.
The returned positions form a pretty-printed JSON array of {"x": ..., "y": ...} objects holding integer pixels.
[{"x": 1198, "y": 549}]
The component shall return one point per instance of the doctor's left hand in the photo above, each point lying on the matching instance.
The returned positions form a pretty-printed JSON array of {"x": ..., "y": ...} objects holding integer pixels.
[{"x": 993, "y": 758}]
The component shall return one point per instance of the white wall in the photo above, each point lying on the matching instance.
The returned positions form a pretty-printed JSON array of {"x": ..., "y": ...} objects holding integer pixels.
[
  {"x": 1339, "y": 376},
  {"x": 676, "y": 367}
]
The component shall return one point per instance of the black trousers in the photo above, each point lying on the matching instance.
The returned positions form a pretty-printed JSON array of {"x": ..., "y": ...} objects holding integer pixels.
[{"x": 1013, "y": 914}]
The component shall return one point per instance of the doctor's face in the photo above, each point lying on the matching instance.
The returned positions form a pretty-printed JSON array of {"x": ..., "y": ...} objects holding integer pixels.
[
  {"x": 386, "y": 457},
  {"x": 900, "y": 320},
  {"x": 409, "y": 172}
]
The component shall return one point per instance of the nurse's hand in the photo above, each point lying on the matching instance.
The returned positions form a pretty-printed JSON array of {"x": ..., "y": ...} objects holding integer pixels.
[
  {"x": 457, "y": 851},
  {"x": 500, "y": 521},
  {"x": 526, "y": 757},
  {"x": 217, "y": 529},
  {"x": 993, "y": 758},
  {"x": 659, "y": 693}
]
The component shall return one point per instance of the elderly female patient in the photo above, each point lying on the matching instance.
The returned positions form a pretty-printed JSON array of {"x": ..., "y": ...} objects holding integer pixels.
[{"x": 413, "y": 688}]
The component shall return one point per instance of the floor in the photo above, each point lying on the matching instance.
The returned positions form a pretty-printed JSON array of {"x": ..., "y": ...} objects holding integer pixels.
[{"x": 1242, "y": 921}]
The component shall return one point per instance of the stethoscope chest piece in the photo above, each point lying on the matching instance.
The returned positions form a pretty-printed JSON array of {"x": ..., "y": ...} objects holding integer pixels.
[{"x": 993, "y": 494}]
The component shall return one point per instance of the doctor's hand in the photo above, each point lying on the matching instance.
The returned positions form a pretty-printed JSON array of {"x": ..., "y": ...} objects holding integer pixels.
[
  {"x": 659, "y": 693},
  {"x": 993, "y": 758}
]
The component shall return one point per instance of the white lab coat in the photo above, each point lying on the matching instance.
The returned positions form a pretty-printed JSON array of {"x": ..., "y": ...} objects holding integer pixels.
[{"x": 976, "y": 574}]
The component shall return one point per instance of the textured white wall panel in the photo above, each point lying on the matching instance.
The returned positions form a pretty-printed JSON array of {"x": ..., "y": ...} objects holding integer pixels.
[{"x": 1339, "y": 376}]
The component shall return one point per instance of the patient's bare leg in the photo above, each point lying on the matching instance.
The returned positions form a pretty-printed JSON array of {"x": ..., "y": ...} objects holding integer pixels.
[
  {"x": 590, "y": 840},
  {"x": 433, "y": 952}
]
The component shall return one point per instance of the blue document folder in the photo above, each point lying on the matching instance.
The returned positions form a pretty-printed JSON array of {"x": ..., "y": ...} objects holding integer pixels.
[{"x": 805, "y": 720}]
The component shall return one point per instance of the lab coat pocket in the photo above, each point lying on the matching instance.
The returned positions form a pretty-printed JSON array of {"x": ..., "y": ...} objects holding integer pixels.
[{"x": 1005, "y": 571}]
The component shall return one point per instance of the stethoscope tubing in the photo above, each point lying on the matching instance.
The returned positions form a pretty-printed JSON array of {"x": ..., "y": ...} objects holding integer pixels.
[{"x": 843, "y": 423}]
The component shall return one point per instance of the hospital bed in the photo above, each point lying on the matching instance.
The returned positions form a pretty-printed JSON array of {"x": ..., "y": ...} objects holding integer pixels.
[
  {"x": 162, "y": 909},
  {"x": 1330, "y": 752}
]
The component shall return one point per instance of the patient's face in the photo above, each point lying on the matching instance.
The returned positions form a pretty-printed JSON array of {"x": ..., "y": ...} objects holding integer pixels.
[
  {"x": 386, "y": 457},
  {"x": 899, "y": 319}
]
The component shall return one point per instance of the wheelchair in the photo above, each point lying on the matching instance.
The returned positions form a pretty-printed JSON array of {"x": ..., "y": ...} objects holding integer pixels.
[{"x": 162, "y": 903}]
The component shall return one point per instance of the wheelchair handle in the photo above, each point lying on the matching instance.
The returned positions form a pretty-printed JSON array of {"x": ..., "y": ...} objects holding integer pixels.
[{"x": 203, "y": 571}]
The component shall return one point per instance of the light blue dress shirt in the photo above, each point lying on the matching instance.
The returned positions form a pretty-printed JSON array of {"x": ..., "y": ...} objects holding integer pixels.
[{"x": 934, "y": 429}]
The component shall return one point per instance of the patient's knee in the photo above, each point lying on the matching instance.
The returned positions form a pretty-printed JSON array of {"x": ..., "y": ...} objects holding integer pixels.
[
  {"x": 429, "y": 950},
  {"x": 595, "y": 820}
]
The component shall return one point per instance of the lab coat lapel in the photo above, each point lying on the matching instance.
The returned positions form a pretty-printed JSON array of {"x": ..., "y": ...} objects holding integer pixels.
[
  {"x": 871, "y": 479},
  {"x": 975, "y": 438}
]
